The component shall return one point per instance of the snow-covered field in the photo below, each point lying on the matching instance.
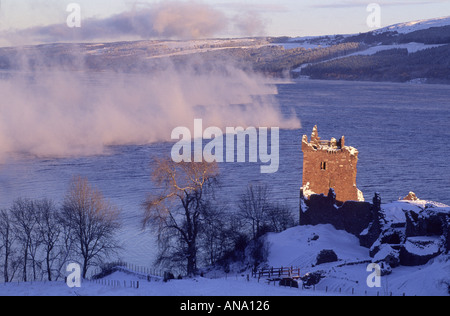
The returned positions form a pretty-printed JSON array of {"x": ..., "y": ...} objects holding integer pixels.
[
  {"x": 411, "y": 47},
  {"x": 230, "y": 286},
  {"x": 297, "y": 247}
]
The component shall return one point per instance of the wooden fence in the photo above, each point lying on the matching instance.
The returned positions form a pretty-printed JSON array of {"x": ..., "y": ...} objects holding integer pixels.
[
  {"x": 142, "y": 271},
  {"x": 116, "y": 283},
  {"x": 274, "y": 274}
]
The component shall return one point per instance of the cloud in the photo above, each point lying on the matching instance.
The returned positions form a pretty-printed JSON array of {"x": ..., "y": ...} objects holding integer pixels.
[
  {"x": 363, "y": 3},
  {"x": 250, "y": 23},
  {"x": 168, "y": 20},
  {"x": 255, "y": 7},
  {"x": 58, "y": 113}
]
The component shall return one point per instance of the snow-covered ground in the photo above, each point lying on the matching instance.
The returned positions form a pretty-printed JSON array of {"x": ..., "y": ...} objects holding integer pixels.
[
  {"x": 297, "y": 247},
  {"x": 113, "y": 285},
  {"x": 305, "y": 45},
  {"x": 411, "y": 47}
]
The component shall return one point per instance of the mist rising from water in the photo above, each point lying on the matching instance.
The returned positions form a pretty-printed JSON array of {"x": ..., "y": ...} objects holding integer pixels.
[{"x": 60, "y": 113}]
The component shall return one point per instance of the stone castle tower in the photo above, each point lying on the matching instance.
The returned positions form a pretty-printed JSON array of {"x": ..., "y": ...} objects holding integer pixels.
[{"x": 329, "y": 164}]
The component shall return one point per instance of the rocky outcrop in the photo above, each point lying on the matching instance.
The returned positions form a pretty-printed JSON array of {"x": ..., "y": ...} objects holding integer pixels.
[
  {"x": 413, "y": 233},
  {"x": 385, "y": 268},
  {"x": 411, "y": 197},
  {"x": 288, "y": 282},
  {"x": 419, "y": 250},
  {"x": 326, "y": 256},
  {"x": 424, "y": 235},
  {"x": 313, "y": 278},
  {"x": 388, "y": 255},
  {"x": 372, "y": 232},
  {"x": 430, "y": 221}
]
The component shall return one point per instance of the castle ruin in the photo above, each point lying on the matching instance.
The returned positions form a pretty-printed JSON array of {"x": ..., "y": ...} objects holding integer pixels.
[
  {"x": 329, "y": 164},
  {"x": 329, "y": 196}
]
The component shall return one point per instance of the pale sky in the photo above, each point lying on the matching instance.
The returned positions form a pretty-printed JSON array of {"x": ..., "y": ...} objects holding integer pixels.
[{"x": 280, "y": 17}]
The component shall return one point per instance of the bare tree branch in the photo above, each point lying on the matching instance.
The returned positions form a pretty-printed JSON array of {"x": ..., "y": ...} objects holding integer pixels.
[{"x": 176, "y": 213}]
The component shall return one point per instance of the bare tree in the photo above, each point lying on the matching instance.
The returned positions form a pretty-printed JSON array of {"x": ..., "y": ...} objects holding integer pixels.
[
  {"x": 24, "y": 223},
  {"x": 49, "y": 229},
  {"x": 177, "y": 213},
  {"x": 64, "y": 249},
  {"x": 254, "y": 206},
  {"x": 217, "y": 236},
  {"x": 92, "y": 220},
  {"x": 280, "y": 217},
  {"x": 6, "y": 245},
  {"x": 261, "y": 213}
]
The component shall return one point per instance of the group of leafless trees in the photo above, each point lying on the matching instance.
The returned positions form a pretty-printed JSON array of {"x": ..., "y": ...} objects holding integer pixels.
[
  {"x": 38, "y": 238},
  {"x": 192, "y": 225}
]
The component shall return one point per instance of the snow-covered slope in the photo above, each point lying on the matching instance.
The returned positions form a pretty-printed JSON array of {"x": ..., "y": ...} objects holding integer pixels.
[
  {"x": 411, "y": 47},
  {"x": 394, "y": 212},
  {"x": 299, "y": 247},
  {"x": 413, "y": 26}
]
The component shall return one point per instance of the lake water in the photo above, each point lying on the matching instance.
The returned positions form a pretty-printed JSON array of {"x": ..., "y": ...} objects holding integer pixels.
[{"x": 402, "y": 132}]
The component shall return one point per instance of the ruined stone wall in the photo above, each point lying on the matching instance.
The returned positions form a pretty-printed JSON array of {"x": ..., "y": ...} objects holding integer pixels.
[{"x": 352, "y": 216}]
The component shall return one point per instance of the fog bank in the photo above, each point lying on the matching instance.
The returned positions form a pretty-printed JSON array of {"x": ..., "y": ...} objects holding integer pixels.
[{"x": 60, "y": 113}]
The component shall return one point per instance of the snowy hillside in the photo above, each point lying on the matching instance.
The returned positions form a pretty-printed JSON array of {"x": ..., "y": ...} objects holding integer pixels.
[
  {"x": 413, "y": 26},
  {"x": 313, "y": 42},
  {"x": 300, "y": 246},
  {"x": 297, "y": 247},
  {"x": 411, "y": 47}
]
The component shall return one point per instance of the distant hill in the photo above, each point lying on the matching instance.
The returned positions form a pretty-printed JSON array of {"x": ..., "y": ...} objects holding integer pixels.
[
  {"x": 389, "y": 60},
  {"x": 414, "y": 51},
  {"x": 413, "y": 26},
  {"x": 257, "y": 54}
]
